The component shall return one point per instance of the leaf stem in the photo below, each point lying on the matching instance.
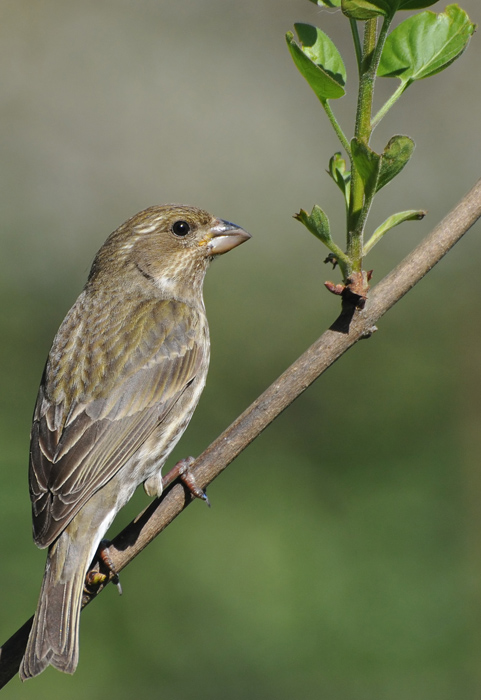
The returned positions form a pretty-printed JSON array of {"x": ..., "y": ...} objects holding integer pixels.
[
  {"x": 336, "y": 126},
  {"x": 357, "y": 42},
  {"x": 341, "y": 257},
  {"x": 388, "y": 104}
]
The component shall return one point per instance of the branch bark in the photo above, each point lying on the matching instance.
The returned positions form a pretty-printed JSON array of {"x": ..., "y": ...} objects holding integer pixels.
[{"x": 352, "y": 325}]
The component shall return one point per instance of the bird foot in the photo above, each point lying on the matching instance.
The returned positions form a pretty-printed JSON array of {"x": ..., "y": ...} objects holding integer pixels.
[
  {"x": 182, "y": 471},
  {"x": 95, "y": 578}
]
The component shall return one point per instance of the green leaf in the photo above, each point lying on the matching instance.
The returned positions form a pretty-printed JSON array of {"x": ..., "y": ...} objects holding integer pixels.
[
  {"x": 394, "y": 158},
  {"x": 415, "y": 4},
  {"x": 318, "y": 61},
  {"x": 317, "y": 223},
  {"x": 321, "y": 50},
  {"x": 361, "y": 9},
  {"x": 391, "y": 222},
  {"x": 425, "y": 44},
  {"x": 340, "y": 174},
  {"x": 368, "y": 164},
  {"x": 366, "y": 9},
  {"x": 327, "y": 3}
]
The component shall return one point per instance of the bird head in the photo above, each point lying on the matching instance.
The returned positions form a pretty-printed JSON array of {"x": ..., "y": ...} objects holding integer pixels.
[{"x": 166, "y": 247}]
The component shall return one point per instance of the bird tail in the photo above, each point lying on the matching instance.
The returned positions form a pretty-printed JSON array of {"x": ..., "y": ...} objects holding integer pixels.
[{"x": 54, "y": 637}]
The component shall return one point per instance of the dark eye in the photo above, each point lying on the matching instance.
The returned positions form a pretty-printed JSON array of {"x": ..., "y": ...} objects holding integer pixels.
[{"x": 180, "y": 228}]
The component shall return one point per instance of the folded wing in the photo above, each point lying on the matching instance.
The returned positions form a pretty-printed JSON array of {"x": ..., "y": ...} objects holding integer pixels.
[{"x": 87, "y": 426}]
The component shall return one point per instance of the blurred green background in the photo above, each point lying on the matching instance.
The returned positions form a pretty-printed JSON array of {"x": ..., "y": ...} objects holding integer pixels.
[{"x": 342, "y": 556}]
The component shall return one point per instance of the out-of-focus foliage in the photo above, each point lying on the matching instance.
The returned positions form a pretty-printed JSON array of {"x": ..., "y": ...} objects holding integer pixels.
[{"x": 341, "y": 557}]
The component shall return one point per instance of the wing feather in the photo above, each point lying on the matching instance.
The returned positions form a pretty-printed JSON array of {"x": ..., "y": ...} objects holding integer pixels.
[{"x": 87, "y": 424}]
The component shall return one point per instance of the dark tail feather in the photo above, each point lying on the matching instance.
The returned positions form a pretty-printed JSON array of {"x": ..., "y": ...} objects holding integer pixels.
[{"x": 54, "y": 637}]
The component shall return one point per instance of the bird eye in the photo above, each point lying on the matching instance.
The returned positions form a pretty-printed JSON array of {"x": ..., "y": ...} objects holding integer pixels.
[{"x": 180, "y": 228}]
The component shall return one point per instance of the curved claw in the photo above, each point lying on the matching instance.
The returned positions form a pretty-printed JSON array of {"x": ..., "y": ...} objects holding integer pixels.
[
  {"x": 182, "y": 470},
  {"x": 104, "y": 554}
]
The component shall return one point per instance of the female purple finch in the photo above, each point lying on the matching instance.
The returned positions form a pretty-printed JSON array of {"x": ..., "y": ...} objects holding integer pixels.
[{"x": 123, "y": 377}]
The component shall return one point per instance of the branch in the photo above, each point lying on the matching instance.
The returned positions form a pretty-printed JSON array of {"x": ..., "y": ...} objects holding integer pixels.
[{"x": 351, "y": 326}]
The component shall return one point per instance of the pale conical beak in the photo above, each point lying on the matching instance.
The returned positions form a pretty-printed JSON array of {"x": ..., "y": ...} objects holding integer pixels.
[{"x": 225, "y": 236}]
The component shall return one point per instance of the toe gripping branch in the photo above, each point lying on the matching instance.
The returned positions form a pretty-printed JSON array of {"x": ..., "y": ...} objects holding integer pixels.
[
  {"x": 183, "y": 472},
  {"x": 95, "y": 578}
]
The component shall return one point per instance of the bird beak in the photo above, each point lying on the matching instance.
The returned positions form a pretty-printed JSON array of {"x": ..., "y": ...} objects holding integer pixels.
[{"x": 224, "y": 236}]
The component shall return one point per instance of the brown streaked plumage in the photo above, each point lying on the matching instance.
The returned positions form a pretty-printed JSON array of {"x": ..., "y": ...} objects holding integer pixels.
[{"x": 123, "y": 377}]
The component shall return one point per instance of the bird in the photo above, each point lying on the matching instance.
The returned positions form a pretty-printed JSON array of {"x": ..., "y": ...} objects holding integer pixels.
[{"x": 124, "y": 374}]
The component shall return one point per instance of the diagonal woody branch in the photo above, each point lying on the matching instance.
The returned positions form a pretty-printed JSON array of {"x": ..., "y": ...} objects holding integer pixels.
[{"x": 351, "y": 326}]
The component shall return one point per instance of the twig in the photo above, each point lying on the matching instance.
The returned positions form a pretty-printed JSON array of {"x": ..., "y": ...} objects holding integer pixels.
[{"x": 351, "y": 326}]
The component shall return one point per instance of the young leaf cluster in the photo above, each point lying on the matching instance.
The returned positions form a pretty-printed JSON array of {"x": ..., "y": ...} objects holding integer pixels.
[{"x": 419, "y": 47}]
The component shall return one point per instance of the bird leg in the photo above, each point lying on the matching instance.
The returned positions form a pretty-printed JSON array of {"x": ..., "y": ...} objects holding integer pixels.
[{"x": 182, "y": 471}]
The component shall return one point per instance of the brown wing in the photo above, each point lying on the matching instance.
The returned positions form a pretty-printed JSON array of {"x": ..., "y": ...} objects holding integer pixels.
[{"x": 88, "y": 421}]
